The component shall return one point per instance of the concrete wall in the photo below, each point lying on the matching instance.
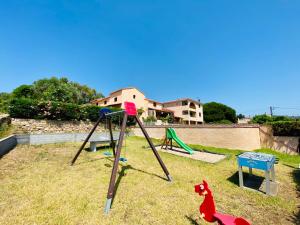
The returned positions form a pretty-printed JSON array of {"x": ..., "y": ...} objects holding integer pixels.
[
  {"x": 246, "y": 137},
  {"x": 7, "y": 144},
  {"x": 37, "y": 139},
  {"x": 283, "y": 144}
]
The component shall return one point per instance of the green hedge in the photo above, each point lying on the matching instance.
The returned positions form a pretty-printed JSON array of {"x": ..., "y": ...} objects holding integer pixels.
[
  {"x": 285, "y": 128},
  {"x": 33, "y": 109},
  {"x": 23, "y": 108}
]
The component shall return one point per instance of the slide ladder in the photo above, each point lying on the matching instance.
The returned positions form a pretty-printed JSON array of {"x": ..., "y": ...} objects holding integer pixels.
[{"x": 171, "y": 135}]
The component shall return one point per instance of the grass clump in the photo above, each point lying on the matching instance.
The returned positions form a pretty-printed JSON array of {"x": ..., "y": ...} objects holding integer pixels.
[{"x": 5, "y": 130}]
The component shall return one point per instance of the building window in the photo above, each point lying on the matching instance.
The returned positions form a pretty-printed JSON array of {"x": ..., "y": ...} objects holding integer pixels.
[
  {"x": 133, "y": 96},
  {"x": 115, "y": 99},
  {"x": 96, "y": 103},
  {"x": 185, "y": 112},
  {"x": 184, "y": 102},
  {"x": 154, "y": 104},
  {"x": 105, "y": 102},
  {"x": 200, "y": 114},
  {"x": 192, "y": 106}
]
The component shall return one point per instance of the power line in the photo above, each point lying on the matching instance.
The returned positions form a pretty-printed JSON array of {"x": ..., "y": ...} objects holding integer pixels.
[
  {"x": 272, "y": 108},
  {"x": 278, "y": 107}
]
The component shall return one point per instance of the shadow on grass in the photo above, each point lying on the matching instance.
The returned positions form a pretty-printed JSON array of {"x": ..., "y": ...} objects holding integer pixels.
[
  {"x": 250, "y": 181},
  {"x": 89, "y": 161},
  {"x": 192, "y": 221},
  {"x": 177, "y": 150},
  {"x": 107, "y": 147},
  {"x": 122, "y": 173},
  {"x": 296, "y": 176}
]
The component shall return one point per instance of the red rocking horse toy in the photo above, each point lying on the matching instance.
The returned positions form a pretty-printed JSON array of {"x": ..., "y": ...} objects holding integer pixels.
[{"x": 208, "y": 210}]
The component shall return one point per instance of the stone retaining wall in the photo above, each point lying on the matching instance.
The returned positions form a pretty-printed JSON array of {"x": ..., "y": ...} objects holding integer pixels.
[{"x": 32, "y": 126}]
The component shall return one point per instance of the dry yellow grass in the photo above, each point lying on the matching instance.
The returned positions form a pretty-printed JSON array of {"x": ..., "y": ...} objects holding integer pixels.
[{"x": 39, "y": 187}]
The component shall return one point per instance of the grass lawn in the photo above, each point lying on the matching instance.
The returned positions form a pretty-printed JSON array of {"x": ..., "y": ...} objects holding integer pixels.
[{"x": 39, "y": 187}]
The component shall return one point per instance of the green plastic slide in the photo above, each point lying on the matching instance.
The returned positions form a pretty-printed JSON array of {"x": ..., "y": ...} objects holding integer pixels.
[{"x": 171, "y": 134}]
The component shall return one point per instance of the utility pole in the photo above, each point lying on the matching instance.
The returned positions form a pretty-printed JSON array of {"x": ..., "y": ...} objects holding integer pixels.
[{"x": 271, "y": 110}]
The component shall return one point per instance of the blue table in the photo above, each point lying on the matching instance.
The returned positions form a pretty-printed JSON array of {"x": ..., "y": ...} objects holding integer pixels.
[{"x": 259, "y": 161}]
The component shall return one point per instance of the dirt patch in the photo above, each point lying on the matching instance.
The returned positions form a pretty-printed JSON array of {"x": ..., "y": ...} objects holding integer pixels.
[{"x": 202, "y": 156}]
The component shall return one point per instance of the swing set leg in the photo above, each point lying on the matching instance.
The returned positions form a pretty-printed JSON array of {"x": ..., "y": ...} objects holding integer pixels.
[
  {"x": 164, "y": 143},
  {"x": 111, "y": 187},
  {"x": 153, "y": 149},
  {"x": 112, "y": 142},
  {"x": 85, "y": 141},
  {"x": 167, "y": 144}
]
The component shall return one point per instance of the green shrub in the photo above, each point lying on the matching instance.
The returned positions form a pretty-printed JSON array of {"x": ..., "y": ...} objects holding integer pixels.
[
  {"x": 5, "y": 130},
  {"x": 4, "y": 101},
  {"x": 150, "y": 119},
  {"x": 91, "y": 112},
  {"x": 261, "y": 119},
  {"x": 32, "y": 109},
  {"x": 223, "y": 122},
  {"x": 23, "y": 91},
  {"x": 140, "y": 111},
  {"x": 167, "y": 118},
  {"x": 23, "y": 108},
  {"x": 70, "y": 111},
  {"x": 285, "y": 128}
]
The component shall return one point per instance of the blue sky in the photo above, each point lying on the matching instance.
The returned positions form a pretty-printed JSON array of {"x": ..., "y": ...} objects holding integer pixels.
[{"x": 242, "y": 53}]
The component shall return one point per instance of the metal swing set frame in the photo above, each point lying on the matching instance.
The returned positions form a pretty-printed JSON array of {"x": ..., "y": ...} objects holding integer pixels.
[{"x": 130, "y": 111}]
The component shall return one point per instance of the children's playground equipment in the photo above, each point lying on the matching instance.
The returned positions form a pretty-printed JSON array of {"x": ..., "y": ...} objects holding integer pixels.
[
  {"x": 130, "y": 111},
  {"x": 208, "y": 210},
  {"x": 259, "y": 161},
  {"x": 170, "y": 136}
]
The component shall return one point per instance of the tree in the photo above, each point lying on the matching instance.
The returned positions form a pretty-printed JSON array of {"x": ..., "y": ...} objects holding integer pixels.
[
  {"x": 216, "y": 112},
  {"x": 57, "y": 89},
  {"x": 23, "y": 91},
  {"x": 4, "y": 101},
  {"x": 150, "y": 120},
  {"x": 240, "y": 116},
  {"x": 140, "y": 111}
]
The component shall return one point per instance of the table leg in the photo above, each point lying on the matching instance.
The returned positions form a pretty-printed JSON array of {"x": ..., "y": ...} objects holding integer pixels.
[
  {"x": 93, "y": 146},
  {"x": 267, "y": 174},
  {"x": 273, "y": 173},
  {"x": 241, "y": 181}
]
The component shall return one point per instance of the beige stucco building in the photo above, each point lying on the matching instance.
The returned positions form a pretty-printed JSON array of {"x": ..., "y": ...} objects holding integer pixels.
[{"x": 187, "y": 111}]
